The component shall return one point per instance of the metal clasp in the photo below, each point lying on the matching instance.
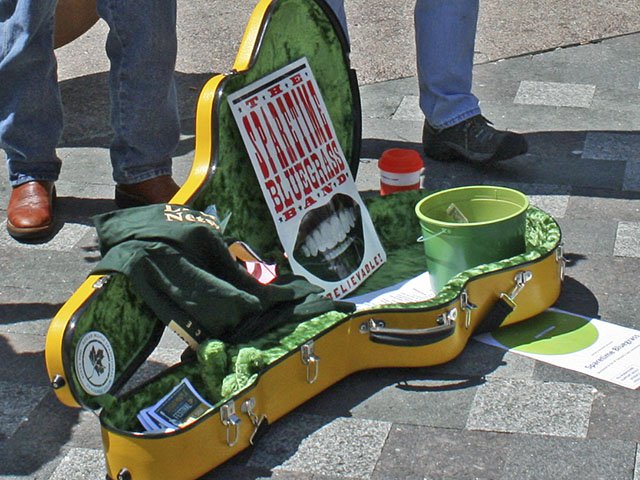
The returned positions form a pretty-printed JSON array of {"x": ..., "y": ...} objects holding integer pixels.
[
  {"x": 124, "y": 474},
  {"x": 101, "y": 282},
  {"x": 371, "y": 325},
  {"x": 231, "y": 421},
  {"x": 58, "y": 382},
  {"x": 560, "y": 258},
  {"x": 467, "y": 306},
  {"x": 447, "y": 318},
  {"x": 521, "y": 279},
  {"x": 310, "y": 360},
  {"x": 247, "y": 407}
]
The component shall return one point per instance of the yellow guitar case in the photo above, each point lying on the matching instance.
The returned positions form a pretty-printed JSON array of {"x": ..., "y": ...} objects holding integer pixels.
[{"x": 253, "y": 385}]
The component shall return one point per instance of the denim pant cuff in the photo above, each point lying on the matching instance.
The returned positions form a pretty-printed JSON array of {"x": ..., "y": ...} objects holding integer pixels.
[
  {"x": 457, "y": 119},
  {"x": 141, "y": 177}
]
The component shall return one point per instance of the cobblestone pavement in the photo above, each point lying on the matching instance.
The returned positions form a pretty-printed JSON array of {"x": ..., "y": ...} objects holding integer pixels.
[{"x": 486, "y": 415}]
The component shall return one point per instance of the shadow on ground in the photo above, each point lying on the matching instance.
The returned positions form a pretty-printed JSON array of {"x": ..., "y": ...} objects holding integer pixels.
[
  {"x": 554, "y": 165},
  {"x": 86, "y": 109}
]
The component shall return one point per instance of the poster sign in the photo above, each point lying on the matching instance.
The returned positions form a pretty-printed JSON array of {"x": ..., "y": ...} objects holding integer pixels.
[
  {"x": 603, "y": 350},
  {"x": 320, "y": 218}
]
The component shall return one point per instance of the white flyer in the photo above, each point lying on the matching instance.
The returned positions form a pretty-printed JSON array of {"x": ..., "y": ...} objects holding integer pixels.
[
  {"x": 603, "y": 350},
  {"x": 417, "y": 289}
]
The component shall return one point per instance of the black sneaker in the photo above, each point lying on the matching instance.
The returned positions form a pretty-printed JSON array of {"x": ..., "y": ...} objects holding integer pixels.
[{"x": 473, "y": 140}]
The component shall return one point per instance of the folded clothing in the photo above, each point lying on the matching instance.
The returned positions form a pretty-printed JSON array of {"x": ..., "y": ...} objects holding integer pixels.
[{"x": 178, "y": 261}]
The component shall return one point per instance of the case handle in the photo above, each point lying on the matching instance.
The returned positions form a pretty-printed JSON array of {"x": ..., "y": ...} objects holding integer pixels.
[{"x": 399, "y": 337}]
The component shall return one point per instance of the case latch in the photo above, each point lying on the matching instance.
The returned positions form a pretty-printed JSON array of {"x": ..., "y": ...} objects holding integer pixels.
[
  {"x": 467, "y": 306},
  {"x": 521, "y": 279},
  {"x": 310, "y": 360},
  {"x": 448, "y": 318},
  {"x": 258, "y": 422},
  {"x": 231, "y": 421},
  {"x": 560, "y": 258}
]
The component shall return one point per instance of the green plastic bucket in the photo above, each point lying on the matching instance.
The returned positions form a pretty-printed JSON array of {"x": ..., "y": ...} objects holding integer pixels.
[{"x": 469, "y": 226}]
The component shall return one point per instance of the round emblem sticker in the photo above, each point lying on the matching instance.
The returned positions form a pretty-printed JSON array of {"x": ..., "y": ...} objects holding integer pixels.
[{"x": 95, "y": 363}]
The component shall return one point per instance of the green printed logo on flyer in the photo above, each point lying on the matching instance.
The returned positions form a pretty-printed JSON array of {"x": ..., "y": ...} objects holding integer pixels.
[{"x": 550, "y": 333}]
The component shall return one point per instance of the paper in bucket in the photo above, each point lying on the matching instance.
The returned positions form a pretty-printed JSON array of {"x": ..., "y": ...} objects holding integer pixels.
[
  {"x": 469, "y": 226},
  {"x": 400, "y": 169}
]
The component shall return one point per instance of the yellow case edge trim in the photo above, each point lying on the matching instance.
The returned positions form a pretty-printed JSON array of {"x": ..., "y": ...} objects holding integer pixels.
[{"x": 55, "y": 338}]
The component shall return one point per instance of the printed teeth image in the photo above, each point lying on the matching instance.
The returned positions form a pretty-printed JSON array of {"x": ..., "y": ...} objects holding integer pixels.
[{"x": 330, "y": 241}]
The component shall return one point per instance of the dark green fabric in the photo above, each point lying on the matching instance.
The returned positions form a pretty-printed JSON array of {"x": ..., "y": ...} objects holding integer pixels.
[{"x": 178, "y": 262}]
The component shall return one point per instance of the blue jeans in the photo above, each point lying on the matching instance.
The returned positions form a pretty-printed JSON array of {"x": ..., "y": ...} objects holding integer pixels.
[
  {"x": 141, "y": 46},
  {"x": 445, "y": 32}
]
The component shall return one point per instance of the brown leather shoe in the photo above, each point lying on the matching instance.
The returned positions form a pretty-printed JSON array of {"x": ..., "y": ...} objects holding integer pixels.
[
  {"x": 155, "y": 190},
  {"x": 30, "y": 210}
]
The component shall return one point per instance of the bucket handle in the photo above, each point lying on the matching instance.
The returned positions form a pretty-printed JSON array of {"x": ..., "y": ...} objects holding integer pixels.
[{"x": 422, "y": 239}]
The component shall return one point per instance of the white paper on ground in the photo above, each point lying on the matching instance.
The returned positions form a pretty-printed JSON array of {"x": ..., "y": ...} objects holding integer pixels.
[{"x": 600, "y": 349}]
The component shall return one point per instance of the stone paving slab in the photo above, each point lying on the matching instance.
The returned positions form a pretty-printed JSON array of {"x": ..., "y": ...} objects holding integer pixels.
[
  {"x": 611, "y": 418},
  {"x": 344, "y": 447},
  {"x": 535, "y": 408},
  {"x": 554, "y": 94},
  {"x": 80, "y": 464},
  {"x": 602, "y": 274},
  {"x": 481, "y": 362},
  {"x": 416, "y": 453},
  {"x": 616, "y": 308},
  {"x": 552, "y": 458},
  {"x": 18, "y": 400},
  {"x": 602, "y": 240}
]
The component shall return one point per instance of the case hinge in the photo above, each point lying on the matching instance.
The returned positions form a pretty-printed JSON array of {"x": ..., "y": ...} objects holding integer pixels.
[{"x": 124, "y": 474}]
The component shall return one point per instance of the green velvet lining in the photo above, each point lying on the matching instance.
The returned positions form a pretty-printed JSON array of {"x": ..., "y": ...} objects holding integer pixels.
[
  {"x": 120, "y": 315},
  {"x": 221, "y": 371}
]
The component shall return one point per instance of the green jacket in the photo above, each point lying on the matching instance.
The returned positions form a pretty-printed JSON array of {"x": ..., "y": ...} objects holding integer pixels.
[{"x": 178, "y": 261}]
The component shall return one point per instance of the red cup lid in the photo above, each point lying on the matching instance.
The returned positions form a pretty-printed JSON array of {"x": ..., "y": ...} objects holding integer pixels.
[{"x": 400, "y": 160}]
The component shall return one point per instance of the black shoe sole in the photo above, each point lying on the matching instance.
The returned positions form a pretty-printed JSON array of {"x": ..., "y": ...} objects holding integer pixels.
[
  {"x": 449, "y": 153},
  {"x": 443, "y": 152},
  {"x": 511, "y": 145}
]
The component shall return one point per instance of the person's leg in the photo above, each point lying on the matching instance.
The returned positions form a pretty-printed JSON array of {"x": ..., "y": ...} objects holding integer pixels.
[
  {"x": 445, "y": 39},
  {"x": 454, "y": 127},
  {"x": 30, "y": 105},
  {"x": 142, "y": 48},
  {"x": 30, "y": 114}
]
